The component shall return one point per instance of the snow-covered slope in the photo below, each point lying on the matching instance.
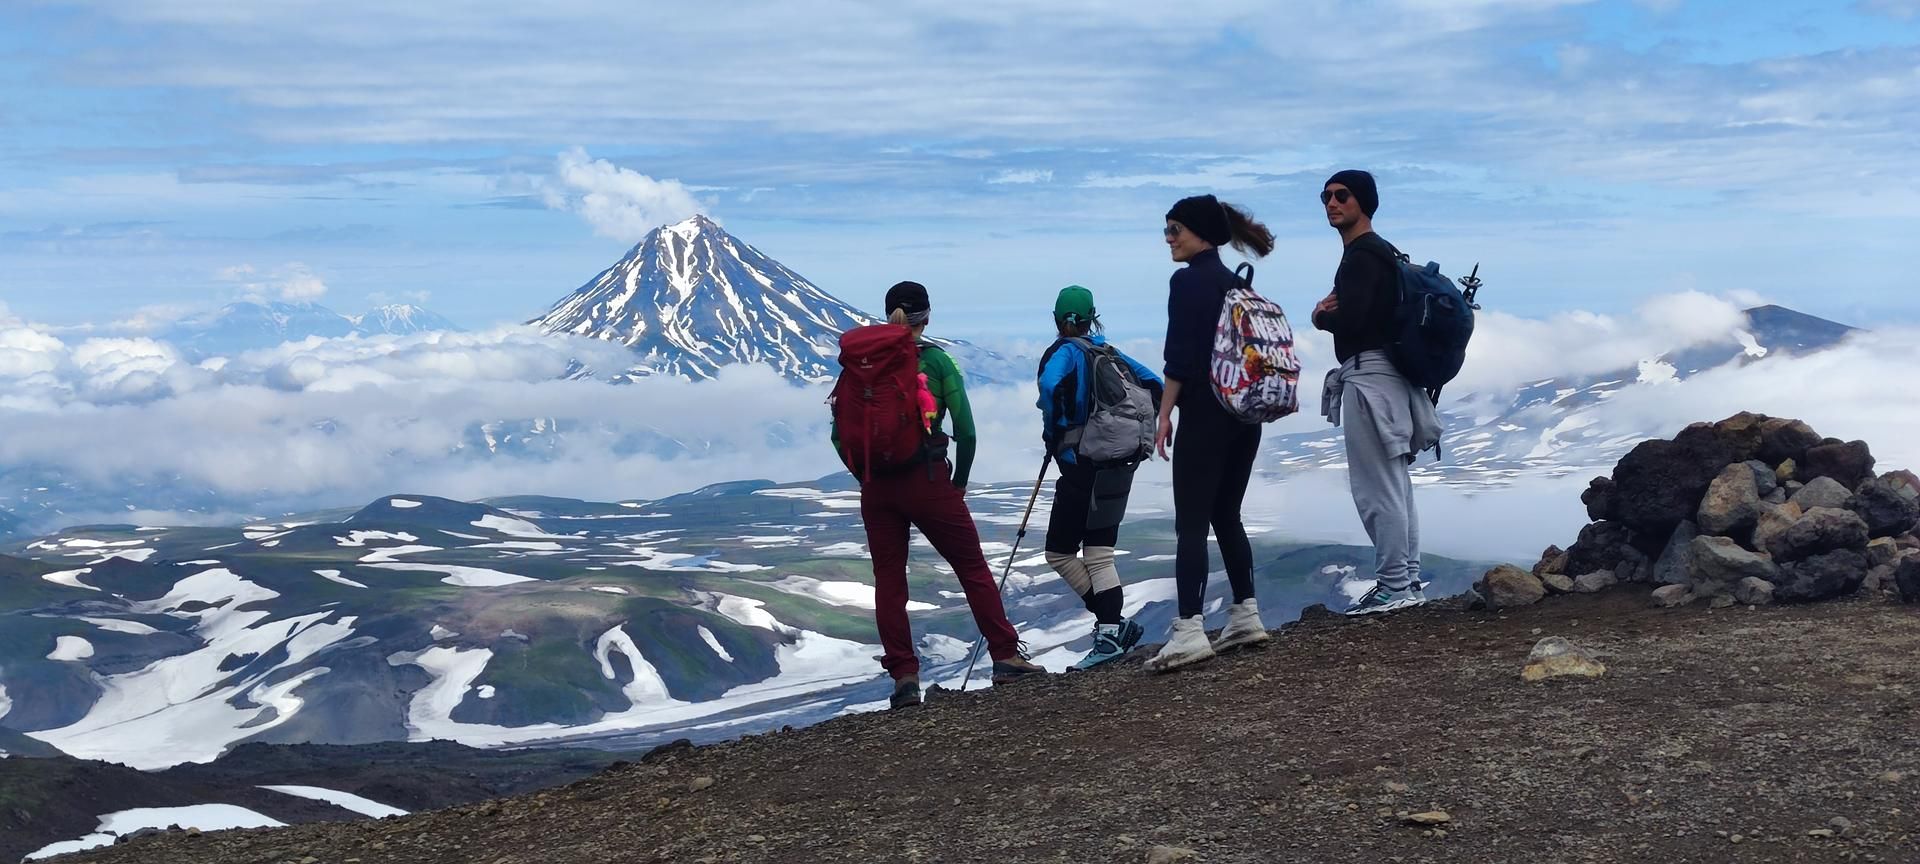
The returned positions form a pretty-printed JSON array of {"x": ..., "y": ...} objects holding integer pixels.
[
  {"x": 400, "y": 320},
  {"x": 691, "y": 298}
]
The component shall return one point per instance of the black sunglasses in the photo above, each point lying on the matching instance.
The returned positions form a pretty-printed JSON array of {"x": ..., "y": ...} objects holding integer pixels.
[
  {"x": 1329, "y": 194},
  {"x": 1171, "y": 231}
]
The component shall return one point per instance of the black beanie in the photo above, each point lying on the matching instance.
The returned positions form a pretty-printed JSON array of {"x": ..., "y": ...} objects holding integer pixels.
[
  {"x": 911, "y": 298},
  {"x": 1203, "y": 215},
  {"x": 1360, "y": 183}
]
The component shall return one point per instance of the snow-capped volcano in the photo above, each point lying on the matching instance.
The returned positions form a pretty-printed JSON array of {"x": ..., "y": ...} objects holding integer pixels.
[{"x": 691, "y": 298}]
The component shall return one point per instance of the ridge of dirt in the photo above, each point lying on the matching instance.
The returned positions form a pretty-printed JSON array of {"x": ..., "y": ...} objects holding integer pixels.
[{"x": 1713, "y": 736}]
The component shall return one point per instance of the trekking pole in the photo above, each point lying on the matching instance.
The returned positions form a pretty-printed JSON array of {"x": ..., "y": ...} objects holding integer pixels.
[{"x": 973, "y": 656}]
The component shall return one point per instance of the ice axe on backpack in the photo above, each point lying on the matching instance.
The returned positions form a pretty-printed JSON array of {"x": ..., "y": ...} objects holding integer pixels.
[{"x": 973, "y": 656}]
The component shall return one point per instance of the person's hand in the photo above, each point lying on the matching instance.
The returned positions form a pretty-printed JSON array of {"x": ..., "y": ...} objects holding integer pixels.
[
  {"x": 1329, "y": 303},
  {"x": 1163, "y": 435}
]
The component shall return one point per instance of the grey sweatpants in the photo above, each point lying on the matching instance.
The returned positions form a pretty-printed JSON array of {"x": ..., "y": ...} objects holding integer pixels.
[
  {"x": 1385, "y": 422},
  {"x": 1383, "y": 493}
]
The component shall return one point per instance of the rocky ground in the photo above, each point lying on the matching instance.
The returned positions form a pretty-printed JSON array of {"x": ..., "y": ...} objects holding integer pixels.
[{"x": 1779, "y": 733}]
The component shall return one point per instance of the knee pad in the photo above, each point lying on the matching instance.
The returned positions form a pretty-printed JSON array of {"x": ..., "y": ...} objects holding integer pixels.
[
  {"x": 1101, "y": 572},
  {"x": 1071, "y": 569}
]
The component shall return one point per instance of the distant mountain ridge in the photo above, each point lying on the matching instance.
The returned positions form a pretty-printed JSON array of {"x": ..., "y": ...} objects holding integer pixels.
[{"x": 251, "y": 325}]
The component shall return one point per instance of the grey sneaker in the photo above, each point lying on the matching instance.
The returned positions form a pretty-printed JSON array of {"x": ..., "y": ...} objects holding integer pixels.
[
  {"x": 1380, "y": 598},
  {"x": 906, "y": 693}
]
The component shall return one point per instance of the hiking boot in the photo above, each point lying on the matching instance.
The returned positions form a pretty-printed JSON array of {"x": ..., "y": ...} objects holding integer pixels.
[
  {"x": 1380, "y": 598},
  {"x": 1130, "y": 633},
  {"x": 1243, "y": 627},
  {"x": 1186, "y": 645},
  {"x": 1106, "y": 645},
  {"x": 1014, "y": 668},
  {"x": 906, "y": 693}
]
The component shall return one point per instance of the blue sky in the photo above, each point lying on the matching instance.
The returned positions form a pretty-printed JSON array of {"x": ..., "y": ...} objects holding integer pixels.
[{"x": 160, "y": 158}]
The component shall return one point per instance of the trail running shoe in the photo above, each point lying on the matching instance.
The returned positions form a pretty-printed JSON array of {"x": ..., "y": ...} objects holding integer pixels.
[
  {"x": 1106, "y": 646},
  {"x": 1186, "y": 645},
  {"x": 1380, "y": 598},
  {"x": 1243, "y": 627}
]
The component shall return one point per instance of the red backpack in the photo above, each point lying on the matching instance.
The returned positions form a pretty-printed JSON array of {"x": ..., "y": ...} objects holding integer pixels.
[{"x": 878, "y": 402}]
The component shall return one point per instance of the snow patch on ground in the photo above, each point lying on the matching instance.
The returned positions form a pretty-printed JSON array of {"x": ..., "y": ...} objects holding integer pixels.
[
  {"x": 206, "y": 817},
  {"x": 465, "y": 577},
  {"x": 360, "y": 538},
  {"x": 70, "y": 649},
  {"x": 486, "y": 691},
  {"x": 516, "y": 528},
  {"x": 402, "y": 503},
  {"x": 714, "y": 643},
  {"x": 535, "y": 545},
  {"x": 647, "y": 687},
  {"x": 69, "y": 578},
  {"x": 438, "y": 633},
  {"x": 842, "y": 550},
  {"x": 334, "y": 576},
  {"x": 607, "y": 589},
  {"x": 343, "y": 800},
  {"x": 855, "y": 594}
]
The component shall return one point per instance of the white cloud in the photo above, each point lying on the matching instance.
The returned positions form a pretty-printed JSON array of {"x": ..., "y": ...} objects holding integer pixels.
[
  {"x": 620, "y": 203},
  {"x": 1027, "y": 176},
  {"x": 1507, "y": 350},
  {"x": 293, "y": 282}
]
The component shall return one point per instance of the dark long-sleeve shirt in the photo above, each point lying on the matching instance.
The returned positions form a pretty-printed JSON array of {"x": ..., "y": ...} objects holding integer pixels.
[
  {"x": 1367, "y": 289},
  {"x": 1194, "y": 295}
]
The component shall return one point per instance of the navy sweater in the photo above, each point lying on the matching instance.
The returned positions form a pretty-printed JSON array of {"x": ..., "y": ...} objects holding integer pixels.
[
  {"x": 1194, "y": 295},
  {"x": 1367, "y": 286}
]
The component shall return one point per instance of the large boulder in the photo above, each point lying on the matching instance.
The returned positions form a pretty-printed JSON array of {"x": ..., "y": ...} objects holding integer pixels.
[
  {"x": 1829, "y": 574},
  {"x": 1765, "y": 481},
  {"x": 1508, "y": 586},
  {"x": 1731, "y": 507},
  {"x": 1822, "y": 492},
  {"x": 1677, "y": 558},
  {"x": 1719, "y": 562},
  {"x": 1904, "y": 482},
  {"x": 1554, "y": 560},
  {"x": 1906, "y": 578},
  {"x": 1598, "y": 496},
  {"x": 1601, "y": 546},
  {"x": 1658, "y": 484},
  {"x": 1887, "y": 512},
  {"x": 1782, "y": 439},
  {"x": 1822, "y": 529},
  {"x": 1753, "y": 592},
  {"x": 1743, "y": 433},
  {"x": 1849, "y": 463}
]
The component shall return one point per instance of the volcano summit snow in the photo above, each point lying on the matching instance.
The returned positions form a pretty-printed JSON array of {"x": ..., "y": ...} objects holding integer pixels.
[{"x": 691, "y": 298}]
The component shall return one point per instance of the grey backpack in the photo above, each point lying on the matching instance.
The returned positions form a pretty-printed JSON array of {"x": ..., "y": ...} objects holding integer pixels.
[{"x": 1120, "y": 411}]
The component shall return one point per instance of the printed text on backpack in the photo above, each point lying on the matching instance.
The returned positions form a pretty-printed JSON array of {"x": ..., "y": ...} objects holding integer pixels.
[{"x": 1255, "y": 373}]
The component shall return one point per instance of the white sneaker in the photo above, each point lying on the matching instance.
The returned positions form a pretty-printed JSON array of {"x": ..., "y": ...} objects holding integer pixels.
[
  {"x": 1186, "y": 645},
  {"x": 1243, "y": 627}
]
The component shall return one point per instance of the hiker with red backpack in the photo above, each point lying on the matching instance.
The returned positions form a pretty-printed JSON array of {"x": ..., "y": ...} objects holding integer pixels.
[
  {"x": 1384, "y": 417},
  {"x": 1097, "y": 409},
  {"x": 1229, "y": 368},
  {"x": 894, "y": 392}
]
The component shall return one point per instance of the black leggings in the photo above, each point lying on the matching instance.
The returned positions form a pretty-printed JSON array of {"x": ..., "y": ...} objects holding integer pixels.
[{"x": 1212, "y": 461}]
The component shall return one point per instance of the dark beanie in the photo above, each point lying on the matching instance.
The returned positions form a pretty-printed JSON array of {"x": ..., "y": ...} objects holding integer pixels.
[
  {"x": 911, "y": 298},
  {"x": 1203, "y": 215},
  {"x": 1360, "y": 183}
]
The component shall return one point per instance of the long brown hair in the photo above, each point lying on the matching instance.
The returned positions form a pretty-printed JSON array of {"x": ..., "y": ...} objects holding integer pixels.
[{"x": 1249, "y": 235}]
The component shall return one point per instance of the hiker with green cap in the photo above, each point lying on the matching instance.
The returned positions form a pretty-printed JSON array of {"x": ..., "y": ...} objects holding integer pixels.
[{"x": 1098, "y": 408}]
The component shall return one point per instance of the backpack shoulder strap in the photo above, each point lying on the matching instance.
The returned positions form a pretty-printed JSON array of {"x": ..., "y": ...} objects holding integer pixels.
[{"x": 1244, "y": 273}]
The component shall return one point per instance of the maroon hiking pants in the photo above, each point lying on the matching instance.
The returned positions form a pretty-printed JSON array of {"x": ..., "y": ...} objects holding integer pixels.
[{"x": 926, "y": 500}]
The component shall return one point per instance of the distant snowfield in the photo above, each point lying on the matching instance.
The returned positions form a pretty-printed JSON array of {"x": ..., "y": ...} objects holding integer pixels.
[
  {"x": 465, "y": 577},
  {"x": 360, "y": 538},
  {"x": 334, "y": 576},
  {"x": 69, "y": 578},
  {"x": 842, "y": 550},
  {"x": 70, "y": 649},
  {"x": 343, "y": 800},
  {"x": 516, "y": 528},
  {"x": 206, "y": 817},
  {"x": 402, "y": 503},
  {"x": 856, "y": 594},
  {"x": 184, "y": 708}
]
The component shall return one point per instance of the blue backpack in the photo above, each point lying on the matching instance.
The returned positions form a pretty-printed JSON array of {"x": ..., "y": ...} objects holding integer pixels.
[{"x": 1432, "y": 325}]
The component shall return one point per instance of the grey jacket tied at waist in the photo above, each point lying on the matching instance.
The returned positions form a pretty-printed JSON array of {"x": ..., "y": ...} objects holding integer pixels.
[{"x": 1402, "y": 414}]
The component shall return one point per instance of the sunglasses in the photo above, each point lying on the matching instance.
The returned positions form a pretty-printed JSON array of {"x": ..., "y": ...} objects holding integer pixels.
[
  {"x": 1171, "y": 231},
  {"x": 1331, "y": 194}
]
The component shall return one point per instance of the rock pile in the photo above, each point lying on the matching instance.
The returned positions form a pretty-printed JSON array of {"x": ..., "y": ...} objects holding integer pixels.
[{"x": 1752, "y": 509}]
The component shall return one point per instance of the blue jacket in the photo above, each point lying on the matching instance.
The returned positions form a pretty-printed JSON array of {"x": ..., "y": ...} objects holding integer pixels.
[{"x": 1064, "y": 392}]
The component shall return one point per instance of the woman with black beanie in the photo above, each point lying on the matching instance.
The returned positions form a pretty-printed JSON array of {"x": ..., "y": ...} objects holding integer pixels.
[{"x": 1214, "y": 452}]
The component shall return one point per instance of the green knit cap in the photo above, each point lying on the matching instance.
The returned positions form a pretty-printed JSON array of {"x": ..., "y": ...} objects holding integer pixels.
[{"x": 1074, "y": 303}]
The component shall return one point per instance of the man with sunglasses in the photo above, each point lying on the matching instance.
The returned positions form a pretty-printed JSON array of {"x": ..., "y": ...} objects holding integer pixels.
[{"x": 1382, "y": 416}]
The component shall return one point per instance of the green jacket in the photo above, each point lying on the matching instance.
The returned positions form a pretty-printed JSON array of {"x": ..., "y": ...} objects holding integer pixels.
[{"x": 949, "y": 397}]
